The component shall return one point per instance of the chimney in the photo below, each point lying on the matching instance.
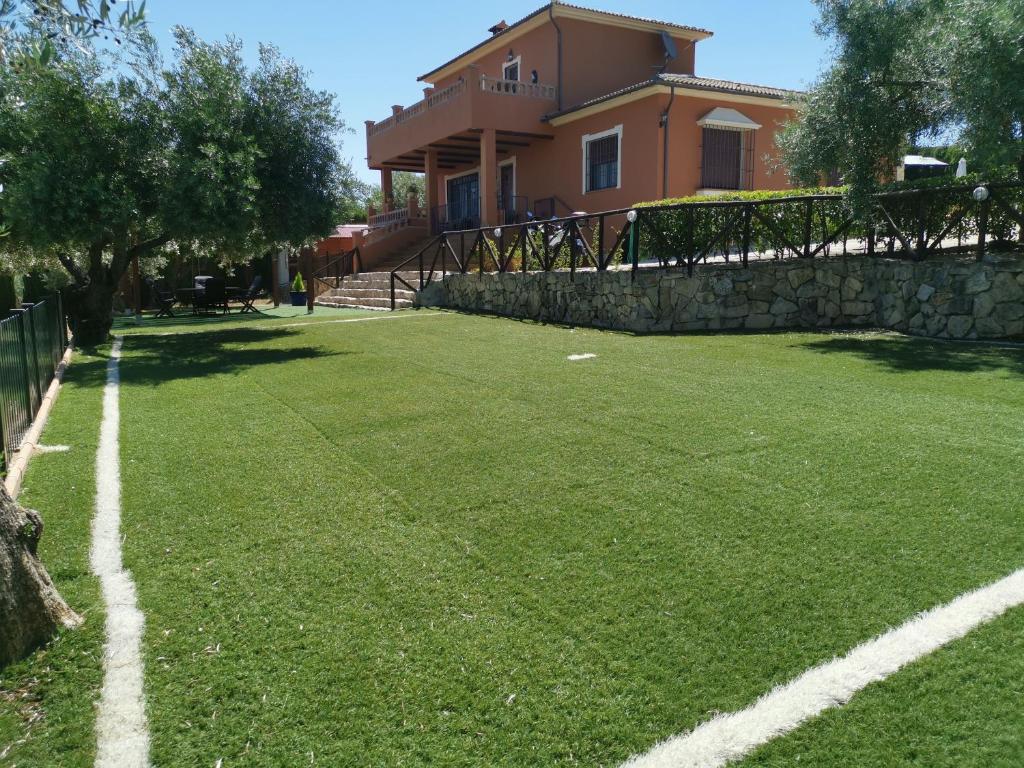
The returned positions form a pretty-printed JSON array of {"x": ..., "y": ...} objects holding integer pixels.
[{"x": 498, "y": 28}]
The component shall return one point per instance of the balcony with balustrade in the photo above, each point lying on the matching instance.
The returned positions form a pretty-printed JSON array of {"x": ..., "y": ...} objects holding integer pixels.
[{"x": 451, "y": 119}]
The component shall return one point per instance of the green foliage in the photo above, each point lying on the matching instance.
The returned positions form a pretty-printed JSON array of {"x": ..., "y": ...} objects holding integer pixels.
[
  {"x": 298, "y": 284},
  {"x": 402, "y": 183},
  {"x": 906, "y": 70},
  {"x": 698, "y": 227},
  {"x": 108, "y": 160},
  {"x": 60, "y": 22}
]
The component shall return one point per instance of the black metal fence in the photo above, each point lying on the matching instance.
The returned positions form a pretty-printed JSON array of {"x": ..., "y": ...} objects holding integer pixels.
[
  {"x": 32, "y": 342},
  {"x": 912, "y": 224}
]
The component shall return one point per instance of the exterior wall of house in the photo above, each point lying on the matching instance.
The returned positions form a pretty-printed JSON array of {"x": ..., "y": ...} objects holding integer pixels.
[
  {"x": 685, "y": 140},
  {"x": 556, "y": 166},
  {"x": 596, "y": 58}
]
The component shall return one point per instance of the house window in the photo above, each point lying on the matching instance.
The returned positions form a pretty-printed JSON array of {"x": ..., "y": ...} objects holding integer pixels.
[
  {"x": 601, "y": 155},
  {"x": 726, "y": 158},
  {"x": 511, "y": 70}
]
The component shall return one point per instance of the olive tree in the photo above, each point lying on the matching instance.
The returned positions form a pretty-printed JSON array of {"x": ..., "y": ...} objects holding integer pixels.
[
  {"x": 905, "y": 70},
  {"x": 105, "y": 163}
]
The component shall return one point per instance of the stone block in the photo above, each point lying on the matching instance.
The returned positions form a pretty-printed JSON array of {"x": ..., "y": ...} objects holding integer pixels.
[
  {"x": 722, "y": 286},
  {"x": 759, "y": 322},
  {"x": 976, "y": 283},
  {"x": 854, "y": 308},
  {"x": 1010, "y": 311},
  {"x": 851, "y": 287},
  {"x": 799, "y": 275},
  {"x": 1006, "y": 288},
  {"x": 989, "y": 328},
  {"x": 983, "y": 305},
  {"x": 959, "y": 326},
  {"x": 783, "y": 306}
]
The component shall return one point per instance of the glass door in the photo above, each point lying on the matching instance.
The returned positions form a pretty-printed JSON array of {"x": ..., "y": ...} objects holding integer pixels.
[{"x": 464, "y": 201}]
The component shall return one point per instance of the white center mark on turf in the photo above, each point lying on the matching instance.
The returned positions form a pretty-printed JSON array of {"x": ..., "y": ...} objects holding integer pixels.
[
  {"x": 730, "y": 736},
  {"x": 121, "y": 733},
  {"x": 587, "y": 356}
]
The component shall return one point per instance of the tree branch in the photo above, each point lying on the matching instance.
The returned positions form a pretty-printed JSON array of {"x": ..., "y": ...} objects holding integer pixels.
[
  {"x": 148, "y": 245},
  {"x": 73, "y": 268}
]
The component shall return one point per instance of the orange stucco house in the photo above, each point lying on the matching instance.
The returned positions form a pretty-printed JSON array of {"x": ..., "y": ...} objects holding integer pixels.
[{"x": 568, "y": 109}]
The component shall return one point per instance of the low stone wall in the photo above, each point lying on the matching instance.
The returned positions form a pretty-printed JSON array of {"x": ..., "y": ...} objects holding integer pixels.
[{"x": 942, "y": 297}]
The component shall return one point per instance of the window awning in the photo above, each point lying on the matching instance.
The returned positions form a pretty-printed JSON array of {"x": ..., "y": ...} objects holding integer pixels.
[{"x": 724, "y": 117}]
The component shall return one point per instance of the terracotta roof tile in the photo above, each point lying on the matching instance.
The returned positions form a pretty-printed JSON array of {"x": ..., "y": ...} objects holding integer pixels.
[{"x": 685, "y": 81}]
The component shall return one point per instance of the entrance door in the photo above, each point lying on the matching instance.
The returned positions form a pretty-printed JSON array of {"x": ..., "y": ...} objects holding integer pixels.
[
  {"x": 506, "y": 193},
  {"x": 464, "y": 202}
]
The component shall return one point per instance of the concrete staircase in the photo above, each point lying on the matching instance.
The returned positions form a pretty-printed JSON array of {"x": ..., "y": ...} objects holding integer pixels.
[{"x": 370, "y": 290}]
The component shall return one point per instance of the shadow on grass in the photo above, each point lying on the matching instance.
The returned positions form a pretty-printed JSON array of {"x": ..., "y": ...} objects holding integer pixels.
[
  {"x": 151, "y": 360},
  {"x": 911, "y": 355}
]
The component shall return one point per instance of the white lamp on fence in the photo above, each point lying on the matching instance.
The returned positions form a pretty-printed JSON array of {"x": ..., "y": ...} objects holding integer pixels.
[
  {"x": 631, "y": 217},
  {"x": 497, "y": 232},
  {"x": 981, "y": 194}
]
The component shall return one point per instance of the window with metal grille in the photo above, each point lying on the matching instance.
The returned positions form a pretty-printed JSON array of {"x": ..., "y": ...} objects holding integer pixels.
[
  {"x": 603, "y": 163},
  {"x": 723, "y": 165}
]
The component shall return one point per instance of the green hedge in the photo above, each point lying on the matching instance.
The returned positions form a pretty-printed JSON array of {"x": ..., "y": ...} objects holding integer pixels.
[{"x": 670, "y": 235}]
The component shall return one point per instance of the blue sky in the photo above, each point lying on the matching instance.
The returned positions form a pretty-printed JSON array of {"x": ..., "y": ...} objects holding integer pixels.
[{"x": 370, "y": 53}]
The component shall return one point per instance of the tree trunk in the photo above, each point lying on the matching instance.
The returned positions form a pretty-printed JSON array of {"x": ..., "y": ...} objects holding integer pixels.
[
  {"x": 31, "y": 610},
  {"x": 90, "y": 308}
]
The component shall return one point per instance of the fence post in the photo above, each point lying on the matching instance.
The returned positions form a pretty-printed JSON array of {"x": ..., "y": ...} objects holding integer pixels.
[
  {"x": 983, "y": 227},
  {"x": 921, "y": 249},
  {"x": 808, "y": 222},
  {"x": 688, "y": 225},
  {"x": 634, "y": 243},
  {"x": 747, "y": 215},
  {"x": 62, "y": 323},
  {"x": 24, "y": 360},
  {"x": 572, "y": 251},
  {"x": 29, "y": 334}
]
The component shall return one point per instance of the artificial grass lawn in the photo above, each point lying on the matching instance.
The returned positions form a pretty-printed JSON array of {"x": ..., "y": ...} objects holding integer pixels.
[
  {"x": 436, "y": 541},
  {"x": 46, "y": 701}
]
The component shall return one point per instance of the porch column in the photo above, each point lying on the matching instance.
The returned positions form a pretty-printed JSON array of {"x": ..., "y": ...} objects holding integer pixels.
[
  {"x": 430, "y": 184},
  {"x": 488, "y": 178},
  {"x": 387, "y": 190}
]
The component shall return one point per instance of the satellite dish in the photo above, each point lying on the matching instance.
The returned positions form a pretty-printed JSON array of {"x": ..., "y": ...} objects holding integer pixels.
[{"x": 670, "y": 46}]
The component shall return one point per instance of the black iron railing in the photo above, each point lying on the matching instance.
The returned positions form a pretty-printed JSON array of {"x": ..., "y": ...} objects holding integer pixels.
[
  {"x": 445, "y": 218},
  {"x": 909, "y": 224},
  {"x": 32, "y": 342}
]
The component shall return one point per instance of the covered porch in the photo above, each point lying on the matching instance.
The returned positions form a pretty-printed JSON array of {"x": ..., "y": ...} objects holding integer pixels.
[{"x": 471, "y": 177}]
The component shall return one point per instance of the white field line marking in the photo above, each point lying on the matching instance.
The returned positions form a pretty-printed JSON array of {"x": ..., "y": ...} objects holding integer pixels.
[
  {"x": 587, "y": 356},
  {"x": 52, "y": 448},
  {"x": 121, "y": 734},
  {"x": 210, "y": 329},
  {"x": 730, "y": 736}
]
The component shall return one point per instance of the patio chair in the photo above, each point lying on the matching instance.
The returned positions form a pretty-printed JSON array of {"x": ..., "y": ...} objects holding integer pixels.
[
  {"x": 248, "y": 297},
  {"x": 163, "y": 298},
  {"x": 214, "y": 297}
]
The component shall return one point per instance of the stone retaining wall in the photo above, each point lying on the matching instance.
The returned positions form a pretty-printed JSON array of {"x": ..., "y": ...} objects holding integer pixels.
[{"x": 942, "y": 297}]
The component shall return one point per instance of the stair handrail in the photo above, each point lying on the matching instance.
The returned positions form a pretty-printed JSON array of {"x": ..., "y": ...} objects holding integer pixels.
[
  {"x": 347, "y": 263},
  {"x": 444, "y": 248}
]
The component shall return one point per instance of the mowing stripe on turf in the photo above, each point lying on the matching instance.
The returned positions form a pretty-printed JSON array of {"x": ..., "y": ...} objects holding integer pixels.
[
  {"x": 122, "y": 738},
  {"x": 730, "y": 736}
]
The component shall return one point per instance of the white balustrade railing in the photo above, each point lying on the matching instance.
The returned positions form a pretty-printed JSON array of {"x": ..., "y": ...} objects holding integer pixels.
[{"x": 389, "y": 219}]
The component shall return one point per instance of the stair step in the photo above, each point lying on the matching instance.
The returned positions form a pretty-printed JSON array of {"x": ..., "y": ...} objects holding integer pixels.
[
  {"x": 370, "y": 293},
  {"x": 366, "y": 302}
]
